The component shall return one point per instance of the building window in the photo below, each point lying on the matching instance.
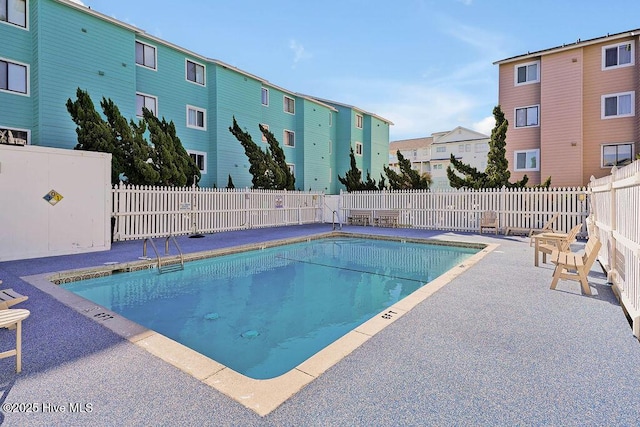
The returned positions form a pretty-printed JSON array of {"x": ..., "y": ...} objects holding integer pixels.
[
  {"x": 618, "y": 55},
  {"x": 617, "y": 155},
  {"x": 359, "y": 121},
  {"x": 467, "y": 148},
  {"x": 359, "y": 148},
  {"x": 441, "y": 149},
  {"x": 330, "y": 146},
  {"x": 145, "y": 55},
  {"x": 195, "y": 72},
  {"x": 527, "y": 73},
  {"x": 330, "y": 119},
  {"x": 461, "y": 148},
  {"x": 200, "y": 159},
  {"x": 14, "y": 77},
  {"x": 13, "y": 136},
  {"x": 196, "y": 118},
  {"x": 292, "y": 168},
  {"x": 264, "y": 138},
  {"x": 14, "y": 12},
  {"x": 289, "y": 105},
  {"x": 481, "y": 147},
  {"x": 527, "y": 116},
  {"x": 527, "y": 160},
  {"x": 265, "y": 97},
  {"x": 289, "y": 138},
  {"x": 147, "y": 101},
  {"x": 437, "y": 166},
  {"x": 618, "y": 105}
]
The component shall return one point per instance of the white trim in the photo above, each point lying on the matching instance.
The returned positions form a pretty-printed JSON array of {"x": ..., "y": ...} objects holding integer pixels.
[
  {"x": 611, "y": 144},
  {"x": 155, "y": 56},
  {"x": 526, "y": 82},
  {"x": 146, "y": 95},
  {"x": 262, "y": 137},
  {"x": 526, "y": 169},
  {"x": 617, "y": 45},
  {"x": 284, "y": 104},
  {"x": 186, "y": 72},
  {"x": 26, "y": 18},
  {"x": 360, "y": 119},
  {"x": 617, "y": 96},
  {"x": 204, "y": 159},
  {"x": 358, "y": 144},
  {"x": 284, "y": 137},
  {"x": 204, "y": 118},
  {"x": 28, "y": 131},
  {"x": 515, "y": 117},
  {"x": 27, "y": 83}
]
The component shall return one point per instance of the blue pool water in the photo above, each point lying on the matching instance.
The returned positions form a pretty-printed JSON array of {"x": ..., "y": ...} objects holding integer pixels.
[{"x": 264, "y": 312}]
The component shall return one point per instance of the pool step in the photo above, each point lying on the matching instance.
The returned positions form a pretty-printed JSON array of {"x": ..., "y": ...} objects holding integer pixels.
[{"x": 168, "y": 268}]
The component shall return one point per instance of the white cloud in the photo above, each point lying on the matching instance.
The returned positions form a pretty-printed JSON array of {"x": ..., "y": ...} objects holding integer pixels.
[
  {"x": 485, "y": 125},
  {"x": 299, "y": 52},
  {"x": 416, "y": 109}
]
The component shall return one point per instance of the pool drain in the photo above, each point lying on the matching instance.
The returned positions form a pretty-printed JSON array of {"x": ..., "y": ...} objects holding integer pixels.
[
  {"x": 250, "y": 334},
  {"x": 388, "y": 315},
  {"x": 103, "y": 316}
]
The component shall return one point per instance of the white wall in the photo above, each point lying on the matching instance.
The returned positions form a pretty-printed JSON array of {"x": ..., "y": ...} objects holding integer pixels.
[{"x": 30, "y": 227}]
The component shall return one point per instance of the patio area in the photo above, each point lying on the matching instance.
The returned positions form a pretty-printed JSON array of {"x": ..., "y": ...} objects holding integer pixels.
[{"x": 495, "y": 346}]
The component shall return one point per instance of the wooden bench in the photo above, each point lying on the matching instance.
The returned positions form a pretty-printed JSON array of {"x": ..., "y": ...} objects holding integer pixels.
[
  {"x": 548, "y": 242},
  {"x": 12, "y": 319},
  {"x": 573, "y": 266},
  {"x": 359, "y": 217},
  {"x": 387, "y": 218}
]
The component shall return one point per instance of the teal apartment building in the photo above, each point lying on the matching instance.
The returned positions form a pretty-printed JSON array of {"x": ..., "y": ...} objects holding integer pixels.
[{"x": 49, "y": 48}]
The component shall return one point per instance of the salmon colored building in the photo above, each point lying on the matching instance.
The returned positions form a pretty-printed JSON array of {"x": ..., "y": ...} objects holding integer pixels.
[{"x": 572, "y": 109}]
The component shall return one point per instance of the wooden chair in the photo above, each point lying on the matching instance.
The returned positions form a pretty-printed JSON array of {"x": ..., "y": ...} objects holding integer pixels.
[
  {"x": 573, "y": 266},
  {"x": 9, "y": 297},
  {"x": 489, "y": 219},
  {"x": 546, "y": 228},
  {"x": 548, "y": 242}
]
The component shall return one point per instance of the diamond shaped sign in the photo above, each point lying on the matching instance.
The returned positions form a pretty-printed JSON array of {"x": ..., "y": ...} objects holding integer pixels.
[{"x": 53, "y": 197}]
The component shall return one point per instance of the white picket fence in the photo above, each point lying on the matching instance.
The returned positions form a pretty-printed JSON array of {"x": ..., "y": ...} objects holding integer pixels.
[
  {"x": 460, "y": 210},
  {"x": 615, "y": 216},
  {"x": 142, "y": 211}
]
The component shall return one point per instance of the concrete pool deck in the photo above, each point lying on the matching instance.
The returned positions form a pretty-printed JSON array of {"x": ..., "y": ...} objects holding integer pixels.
[{"x": 493, "y": 346}]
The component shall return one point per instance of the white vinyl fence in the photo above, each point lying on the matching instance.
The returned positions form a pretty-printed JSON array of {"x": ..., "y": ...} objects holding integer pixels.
[
  {"x": 460, "y": 210},
  {"x": 141, "y": 211},
  {"x": 615, "y": 214}
]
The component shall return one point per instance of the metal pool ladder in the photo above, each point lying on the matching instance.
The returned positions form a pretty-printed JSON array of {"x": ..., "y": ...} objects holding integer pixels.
[{"x": 167, "y": 267}]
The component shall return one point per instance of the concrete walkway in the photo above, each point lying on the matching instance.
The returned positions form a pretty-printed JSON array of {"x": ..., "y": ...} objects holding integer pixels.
[{"x": 494, "y": 347}]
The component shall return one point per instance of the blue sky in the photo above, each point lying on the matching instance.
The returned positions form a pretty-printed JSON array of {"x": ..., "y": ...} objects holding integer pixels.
[{"x": 426, "y": 65}]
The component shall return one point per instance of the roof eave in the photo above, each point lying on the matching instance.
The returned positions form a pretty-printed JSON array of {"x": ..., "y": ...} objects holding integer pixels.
[{"x": 564, "y": 47}]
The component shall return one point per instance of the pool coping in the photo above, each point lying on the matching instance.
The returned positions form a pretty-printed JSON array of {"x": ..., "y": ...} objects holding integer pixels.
[{"x": 261, "y": 396}]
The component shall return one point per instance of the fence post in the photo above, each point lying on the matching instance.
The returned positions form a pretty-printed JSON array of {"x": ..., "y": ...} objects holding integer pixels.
[{"x": 614, "y": 226}]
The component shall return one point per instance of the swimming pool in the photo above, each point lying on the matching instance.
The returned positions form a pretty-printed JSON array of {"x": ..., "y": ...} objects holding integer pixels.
[{"x": 263, "y": 312}]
